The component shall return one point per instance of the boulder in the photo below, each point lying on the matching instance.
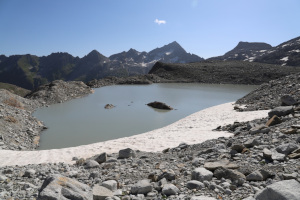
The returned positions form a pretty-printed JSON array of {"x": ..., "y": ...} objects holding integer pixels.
[
  {"x": 58, "y": 187},
  {"x": 126, "y": 153},
  {"x": 238, "y": 147},
  {"x": 277, "y": 156},
  {"x": 159, "y": 105},
  {"x": 101, "y": 158},
  {"x": 252, "y": 142},
  {"x": 170, "y": 189},
  {"x": 193, "y": 184},
  {"x": 259, "y": 175},
  {"x": 283, "y": 190},
  {"x": 169, "y": 175},
  {"x": 259, "y": 129},
  {"x": 29, "y": 173},
  {"x": 295, "y": 154},
  {"x": 267, "y": 154},
  {"x": 273, "y": 121},
  {"x": 202, "y": 174},
  {"x": 91, "y": 164},
  {"x": 101, "y": 193},
  {"x": 286, "y": 148},
  {"x": 111, "y": 185},
  {"x": 288, "y": 100},
  {"x": 109, "y": 106},
  {"x": 141, "y": 187},
  {"x": 233, "y": 175},
  {"x": 220, "y": 163},
  {"x": 281, "y": 111}
]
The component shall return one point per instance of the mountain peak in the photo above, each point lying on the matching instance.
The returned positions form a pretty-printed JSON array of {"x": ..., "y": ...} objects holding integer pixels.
[{"x": 253, "y": 46}]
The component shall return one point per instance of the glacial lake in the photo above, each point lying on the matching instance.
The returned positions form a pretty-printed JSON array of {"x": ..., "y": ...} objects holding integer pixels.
[{"x": 85, "y": 121}]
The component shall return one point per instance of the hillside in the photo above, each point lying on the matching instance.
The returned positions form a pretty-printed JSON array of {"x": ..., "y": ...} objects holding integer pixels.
[
  {"x": 14, "y": 89},
  {"x": 236, "y": 72}
]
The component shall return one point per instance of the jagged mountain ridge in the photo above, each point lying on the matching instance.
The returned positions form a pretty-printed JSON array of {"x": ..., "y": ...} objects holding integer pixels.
[
  {"x": 171, "y": 53},
  {"x": 286, "y": 53},
  {"x": 30, "y": 71}
]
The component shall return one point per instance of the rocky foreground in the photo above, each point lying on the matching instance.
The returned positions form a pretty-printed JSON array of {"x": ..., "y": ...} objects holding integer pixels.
[{"x": 261, "y": 161}]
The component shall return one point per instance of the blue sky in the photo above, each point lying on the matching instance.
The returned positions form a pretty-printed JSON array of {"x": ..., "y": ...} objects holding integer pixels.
[{"x": 203, "y": 27}]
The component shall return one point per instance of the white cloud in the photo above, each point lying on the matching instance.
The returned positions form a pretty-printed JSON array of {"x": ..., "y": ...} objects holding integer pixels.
[{"x": 159, "y": 22}]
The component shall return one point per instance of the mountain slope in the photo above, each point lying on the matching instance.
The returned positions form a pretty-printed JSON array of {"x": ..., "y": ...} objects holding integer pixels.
[
  {"x": 245, "y": 51},
  {"x": 287, "y": 53}
]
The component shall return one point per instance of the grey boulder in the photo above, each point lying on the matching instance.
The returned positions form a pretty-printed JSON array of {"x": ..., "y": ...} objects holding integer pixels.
[
  {"x": 286, "y": 148},
  {"x": 170, "y": 189},
  {"x": 101, "y": 193},
  {"x": 281, "y": 111},
  {"x": 141, "y": 187},
  {"x": 282, "y": 190},
  {"x": 202, "y": 174},
  {"x": 111, "y": 185},
  {"x": 58, "y": 187},
  {"x": 126, "y": 153},
  {"x": 193, "y": 184}
]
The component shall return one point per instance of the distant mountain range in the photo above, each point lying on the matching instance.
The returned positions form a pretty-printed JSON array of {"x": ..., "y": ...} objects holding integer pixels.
[
  {"x": 30, "y": 71},
  {"x": 287, "y": 53}
]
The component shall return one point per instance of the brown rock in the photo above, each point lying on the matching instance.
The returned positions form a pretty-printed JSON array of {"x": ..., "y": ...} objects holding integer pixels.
[
  {"x": 273, "y": 121},
  {"x": 289, "y": 131}
]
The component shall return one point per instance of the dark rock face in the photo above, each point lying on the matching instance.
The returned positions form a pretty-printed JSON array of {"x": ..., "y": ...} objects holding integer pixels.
[
  {"x": 233, "y": 72},
  {"x": 159, "y": 105}
]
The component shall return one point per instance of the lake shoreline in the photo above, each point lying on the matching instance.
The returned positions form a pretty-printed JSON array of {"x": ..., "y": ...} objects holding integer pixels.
[{"x": 195, "y": 128}]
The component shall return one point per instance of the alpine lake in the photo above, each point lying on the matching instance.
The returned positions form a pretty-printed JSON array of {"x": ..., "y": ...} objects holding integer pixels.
[{"x": 85, "y": 120}]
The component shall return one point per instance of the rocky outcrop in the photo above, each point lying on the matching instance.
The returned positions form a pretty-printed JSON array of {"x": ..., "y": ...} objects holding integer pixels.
[
  {"x": 60, "y": 91},
  {"x": 225, "y": 72},
  {"x": 159, "y": 105}
]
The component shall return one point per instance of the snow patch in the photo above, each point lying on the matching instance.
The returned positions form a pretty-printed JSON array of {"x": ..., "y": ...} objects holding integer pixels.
[
  {"x": 251, "y": 59},
  {"x": 285, "y": 59},
  {"x": 285, "y": 45},
  {"x": 236, "y": 55},
  {"x": 262, "y": 50},
  {"x": 295, "y": 50}
]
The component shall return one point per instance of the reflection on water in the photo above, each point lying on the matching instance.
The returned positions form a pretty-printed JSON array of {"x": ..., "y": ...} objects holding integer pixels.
[{"x": 84, "y": 121}]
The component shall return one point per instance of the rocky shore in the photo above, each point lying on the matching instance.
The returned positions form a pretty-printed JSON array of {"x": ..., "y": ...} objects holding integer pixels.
[
  {"x": 260, "y": 161},
  {"x": 19, "y": 130}
]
